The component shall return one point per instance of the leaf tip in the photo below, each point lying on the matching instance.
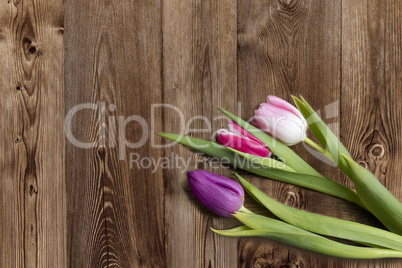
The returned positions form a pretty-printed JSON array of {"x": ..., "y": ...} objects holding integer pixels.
[
  {"x": 220, "y": 109},
  {"x": 170, "y": 136},
  {"x": 216, "y": 231},
  {"x": 237, "y": 176},
  {"x": 163, "y": 134},
  {"x": 348, "y": 160},
  {"x": 294, "y": 97},
  {"x": 297, "y": 101},
  {"x": 345, "y": 156}
]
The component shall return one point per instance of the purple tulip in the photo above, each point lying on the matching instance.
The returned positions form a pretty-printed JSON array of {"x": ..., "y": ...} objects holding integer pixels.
[
  {"x": 220, "y": 195},
  {"x": 239, "y": 139},
  {"x": 281, "y": 120}
]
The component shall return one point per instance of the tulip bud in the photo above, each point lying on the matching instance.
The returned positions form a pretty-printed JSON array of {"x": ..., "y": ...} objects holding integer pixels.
[
  {"x": 235, "y": 128},
  {"x": 220, "y": 195},
  {"x": 281, "y": 120},
  {"x": 239, "y": 139}
]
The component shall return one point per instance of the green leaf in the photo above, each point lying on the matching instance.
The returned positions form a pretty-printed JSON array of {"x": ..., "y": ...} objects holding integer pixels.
[
  {"x": 264, "y": 161},
  {"x": 323, "y": 134},
  {"x": 290, "y": 158},
  {"x": 232, "y": 232},
  {"x": 376, "y": 197},
  {"x": 318, "y": 223},
  {"x": 319, "y": 184},
  {"x": 308, "y": 241}
]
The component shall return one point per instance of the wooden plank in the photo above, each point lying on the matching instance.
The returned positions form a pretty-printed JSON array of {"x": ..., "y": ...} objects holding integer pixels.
[
  {"x": 32, "y": 206},
  {"x": 123, "y": 57},
  {"x": 9, "y": 253},
  {"x": 290, "y": 47},
  {"x": 116, "y": 213},
  {"x": 199, "y": 55},
  {"x": 371, "y": 92}
]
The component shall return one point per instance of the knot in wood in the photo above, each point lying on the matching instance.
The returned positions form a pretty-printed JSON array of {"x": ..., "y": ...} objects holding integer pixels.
[
  {"x": 289, "y": 5},
  {"x": 262, "y": 262},
  {"x": 29, "y": 47},
  {"x": 363, "y": 163},
  {"x": 377, "y": 150},
  {"x": 32, "y": 190}
]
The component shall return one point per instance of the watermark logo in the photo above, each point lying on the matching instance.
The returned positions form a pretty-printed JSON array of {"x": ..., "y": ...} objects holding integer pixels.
[{"x": 112, "y": 130}]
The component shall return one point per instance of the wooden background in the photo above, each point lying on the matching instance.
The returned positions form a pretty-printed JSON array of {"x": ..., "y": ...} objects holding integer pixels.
[{"x": 65, "y": 206}]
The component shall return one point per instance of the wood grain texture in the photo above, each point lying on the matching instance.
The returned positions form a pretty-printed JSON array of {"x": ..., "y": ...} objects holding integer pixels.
[
  {"x": 88, "y": 197},
  {"x": 371, "y": 91},
  {"x": 116, "y": 213},
  {"x": 32, "y": 206},
  {"x": 290, "y": 47},
  {"x": 199, "y": 55}
]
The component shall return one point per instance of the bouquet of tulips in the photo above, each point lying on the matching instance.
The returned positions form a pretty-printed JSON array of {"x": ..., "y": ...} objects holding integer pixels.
[{"x": 251, "y": 145}]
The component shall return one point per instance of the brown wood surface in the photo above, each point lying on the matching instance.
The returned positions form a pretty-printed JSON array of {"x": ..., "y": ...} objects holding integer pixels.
[
  {"x": 115, "y": 63},
  {"x": 32, "y": 167},
  {"x": 62, "y": 205}
]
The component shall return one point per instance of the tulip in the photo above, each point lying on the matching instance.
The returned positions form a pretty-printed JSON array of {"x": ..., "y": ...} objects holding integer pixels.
[
  {"x": 281, "y": 120},
  {"x": 220, "y": 195},
  {"x": 239, "y": 139},
  {"x": 302, "y": 177},
  {"x": 235, "y": 128}
]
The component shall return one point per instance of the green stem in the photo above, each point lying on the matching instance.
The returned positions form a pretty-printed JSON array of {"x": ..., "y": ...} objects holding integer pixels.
[
  {"x": 244, "y": 209},
  {"x": 316, "y": 223},
  {"x": 318, "y": 148},
  {"x": 296, "y": 237},
  {"x": 314, "y": 182}
]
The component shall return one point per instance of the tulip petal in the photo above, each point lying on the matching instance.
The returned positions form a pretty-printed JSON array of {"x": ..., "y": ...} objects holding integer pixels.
[
  {"x": 277, "y": 113},
  {"x": 223, "y": 181},
  {"x": 284, "y": 104},
  {"x": 317, "y": 183},
  {"x": 235, "y": 128},
  {"x": 243, "y": 144},
  {"x": 215, "y": 192},
  {"x": 288, "y": 131},
  {"x": 280, "y": 123},
  {"x": 280, "y": 149}
]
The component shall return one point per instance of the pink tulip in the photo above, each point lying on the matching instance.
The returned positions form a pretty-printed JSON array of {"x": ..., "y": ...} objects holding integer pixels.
[
  {"x": 281, "y": 120},
  {"x": 235, "y": 128},
  {"x": 239, "y": 139}
]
